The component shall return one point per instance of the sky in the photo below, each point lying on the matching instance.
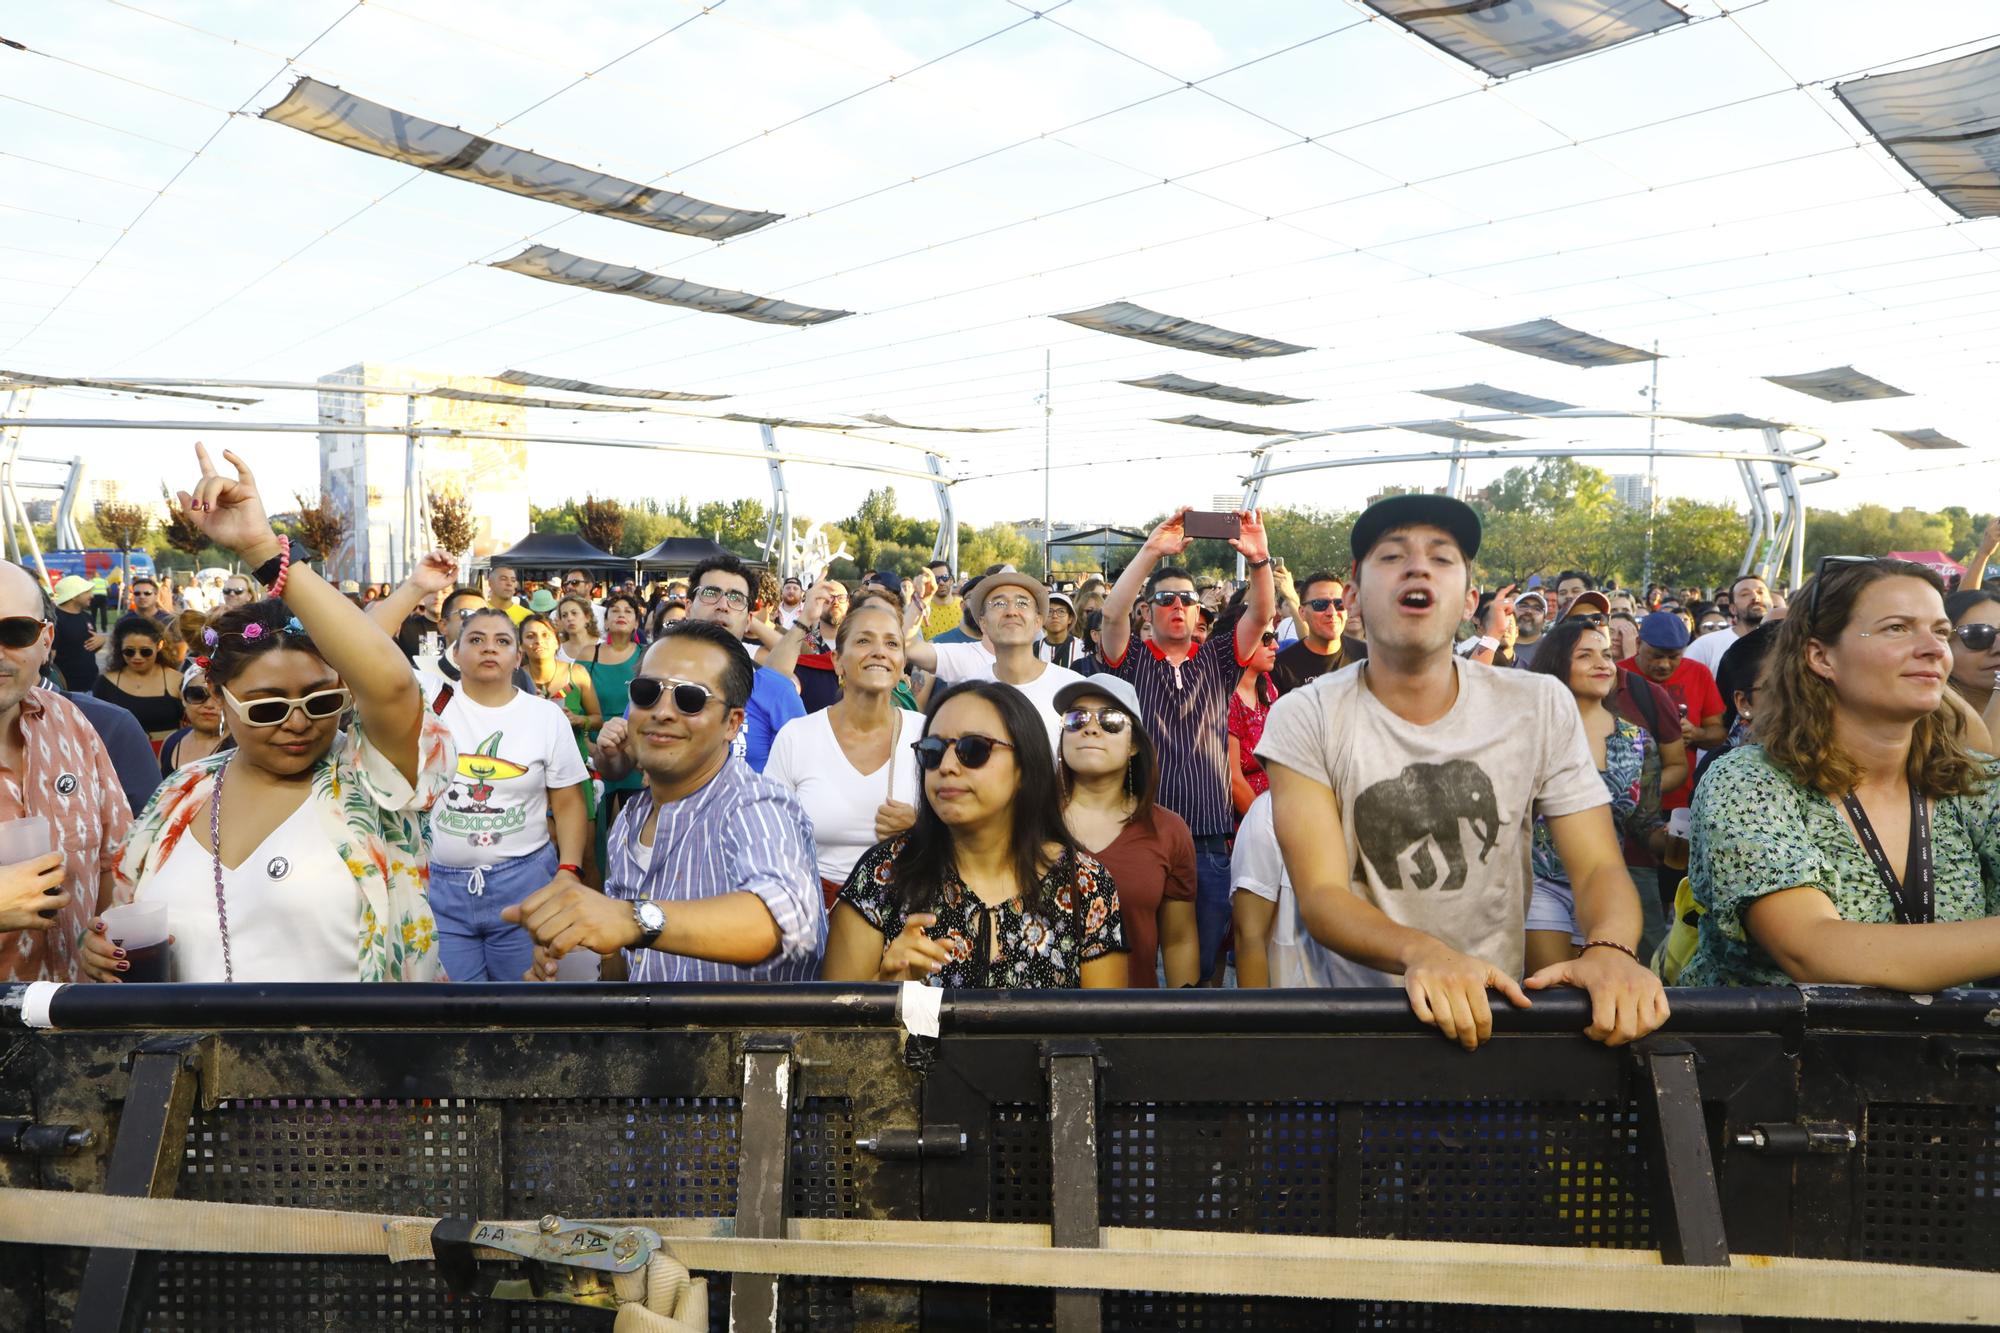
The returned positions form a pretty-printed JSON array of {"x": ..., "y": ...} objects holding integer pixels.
[{"x": 957, "y": 174}]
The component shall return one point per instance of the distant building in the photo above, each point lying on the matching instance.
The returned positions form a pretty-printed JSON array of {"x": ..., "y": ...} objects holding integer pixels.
[
  {"x": 1633, "y": 489},
  {"x": 41, "y": 511},
  {"x": 380, "y": 482}
]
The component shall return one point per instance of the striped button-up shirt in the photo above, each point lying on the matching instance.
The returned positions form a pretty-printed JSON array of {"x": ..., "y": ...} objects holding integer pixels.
[
  {"x": 742, "y": 833},
  {"x": 1186, "y": 711}
]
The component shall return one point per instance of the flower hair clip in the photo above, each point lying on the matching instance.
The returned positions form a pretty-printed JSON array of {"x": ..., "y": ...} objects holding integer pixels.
[
  {"x": 293, "y": 627},
  {"x": 201, "y": 662},
  {"x": 210, "y": 637},
  {"x": 253, "y": 632}
]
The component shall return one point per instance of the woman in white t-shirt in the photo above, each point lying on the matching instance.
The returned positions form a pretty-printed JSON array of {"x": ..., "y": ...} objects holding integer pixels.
[
  {"x": 850, "y": 764},
  {"x": 518, "y": 768}
]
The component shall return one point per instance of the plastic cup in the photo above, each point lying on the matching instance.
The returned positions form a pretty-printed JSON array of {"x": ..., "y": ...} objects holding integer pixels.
[
  {"x": 578, "y": 965},
  {"x": 140, "y": 929},
  {"x": 1680, "y": 822},
  {"x": 24, "y": 840}
]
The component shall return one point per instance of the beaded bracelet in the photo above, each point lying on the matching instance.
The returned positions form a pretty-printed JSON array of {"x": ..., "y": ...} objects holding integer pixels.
[{"x": 284, "y": 566}]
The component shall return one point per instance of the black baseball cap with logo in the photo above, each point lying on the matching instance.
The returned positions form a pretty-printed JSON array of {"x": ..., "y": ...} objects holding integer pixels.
[{"x": 1407, "y": 511}]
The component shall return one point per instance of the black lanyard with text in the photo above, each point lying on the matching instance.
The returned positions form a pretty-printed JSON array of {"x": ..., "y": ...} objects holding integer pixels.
[{"x": 1914, "y": 897}]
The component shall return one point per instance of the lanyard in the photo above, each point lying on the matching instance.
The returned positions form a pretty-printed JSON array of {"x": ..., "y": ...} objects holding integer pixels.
[{"x": 1914, "y": 897}]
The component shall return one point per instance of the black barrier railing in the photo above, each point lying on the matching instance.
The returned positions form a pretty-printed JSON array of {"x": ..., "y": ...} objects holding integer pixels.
[{"x": 1822, "y": 1122}]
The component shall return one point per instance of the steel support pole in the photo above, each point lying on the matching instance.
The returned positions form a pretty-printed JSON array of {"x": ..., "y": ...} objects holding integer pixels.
[
  {"x": 779, "y": 542},
  {"x": 1760, "y": 516},
  {"x": 946, "y": 547}
]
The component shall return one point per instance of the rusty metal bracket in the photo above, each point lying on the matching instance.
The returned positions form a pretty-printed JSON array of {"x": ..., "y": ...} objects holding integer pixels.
[
  {"x": 565, "y": 1262},
  {"x": 145, "y": 1162}
]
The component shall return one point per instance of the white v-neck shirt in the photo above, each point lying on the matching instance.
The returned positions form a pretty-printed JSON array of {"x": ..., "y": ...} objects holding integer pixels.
[
  {"x": 294, "y": 909},
  {"x": 806, "y": 759}
]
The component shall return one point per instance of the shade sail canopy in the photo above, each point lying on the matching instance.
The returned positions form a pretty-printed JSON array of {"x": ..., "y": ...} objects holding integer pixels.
[
  {"x": 1217, "y": 423},
  {"x": 1498, "y": 400},
  {"x": 523, "y": 400},
  {"x": 557, "y": 551},
  {"x": 1923, "y": 439},
  {"x": 325, "y": 112},
  {"x": 878, "y": 419},
  {"x": 528, "y": 379},
  {"x": 1186, "y": 335},
  {"x": 1456, "y": 430},
  {"x": 553, "y": 265},
  {"x": 1733, "y": 421},
  {"x": 1502, "y": 37},
  {"x": 1557, "y": 342},
  {"x": 1838, "y": 384},
  {"x": 679, "y": 553},
  {"x": 1942, "y": 122},
  {"x": 1222, "y": 393},
  {"x": 794, "y": 422},
  {"x": 12, "y": 379}
]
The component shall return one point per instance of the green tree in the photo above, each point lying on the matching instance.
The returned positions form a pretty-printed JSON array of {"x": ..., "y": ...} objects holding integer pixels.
[
  {"x": 1693, "y": 542},
  {"x": 647, "y": 528},
  {"x": 1310, "y": 540},
  {"x": 998, "y": 544}
]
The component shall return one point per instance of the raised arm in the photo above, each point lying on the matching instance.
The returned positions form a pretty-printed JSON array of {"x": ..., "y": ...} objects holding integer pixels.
[
  {"x": 1255, "y": 548},
  {"x": 1989, "y": 542},
  {"x": 436, "y": 572},
  {"x": 230, "y": 513},
  {"x": 782, "y": 656},
  {"x": 1169, "y": 539}
]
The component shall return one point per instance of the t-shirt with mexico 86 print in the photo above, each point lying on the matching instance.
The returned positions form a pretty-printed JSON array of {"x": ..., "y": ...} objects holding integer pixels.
[
  {"x": 1439, "y": 819},
  {"x": 508, "y": 758}
]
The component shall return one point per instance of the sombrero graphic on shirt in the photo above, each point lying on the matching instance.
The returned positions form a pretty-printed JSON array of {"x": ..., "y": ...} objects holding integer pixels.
[{"x": 483, "y": 767}]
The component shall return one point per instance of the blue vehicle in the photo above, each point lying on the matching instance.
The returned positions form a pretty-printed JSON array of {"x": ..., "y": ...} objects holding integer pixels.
[{"x": 95, "y": 562}]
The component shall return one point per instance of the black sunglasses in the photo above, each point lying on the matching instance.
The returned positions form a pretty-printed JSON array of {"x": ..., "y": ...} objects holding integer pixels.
[
  {"x": 1976, "y": 637},
  {"x": 20, "y": 631},
  {"x": 1174, "y": 599},
  {"x": 140, "y": 653},
  {"x": 195, "y": 694},
  {"x": 973, "y": 751},
  {"x": 1594, "y": 619},
  {"x": 1110, "y": 721},
  {"x": 1270, "y": 637},
  {"x": 1324, "y": 604},
  {"x": 689, "y": 697}
]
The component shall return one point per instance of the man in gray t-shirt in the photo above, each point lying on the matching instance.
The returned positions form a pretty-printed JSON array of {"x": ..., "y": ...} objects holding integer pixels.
[{"x": 1405, "y": 789}]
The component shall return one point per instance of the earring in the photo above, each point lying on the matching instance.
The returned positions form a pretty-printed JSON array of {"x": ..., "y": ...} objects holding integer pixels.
[{"x": 1129, "y": 785}]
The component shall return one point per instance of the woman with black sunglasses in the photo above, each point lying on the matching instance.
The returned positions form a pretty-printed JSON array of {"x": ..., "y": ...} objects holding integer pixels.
[
  {"x": 988, "y": 889},
  {"x": 201, "y": 733},
  {"x": 1975, "y": 651},
  {"x": 1858, "y": 841},
  {"x": 137, "y": 681},
  {"x": 301, "y": 854}
]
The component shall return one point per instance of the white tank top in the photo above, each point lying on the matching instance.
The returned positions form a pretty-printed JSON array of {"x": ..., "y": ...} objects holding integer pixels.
[{"x": 294, "y": 909}]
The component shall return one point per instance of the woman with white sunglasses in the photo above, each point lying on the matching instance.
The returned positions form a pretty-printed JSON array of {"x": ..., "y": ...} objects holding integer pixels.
[{"x": 299, "y": 855}]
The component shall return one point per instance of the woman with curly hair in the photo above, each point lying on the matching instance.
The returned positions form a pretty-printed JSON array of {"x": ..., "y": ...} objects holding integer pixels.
[
  {"x": 138, "y": 679},
  {"x": 1858, "y": 841},
  {"x": 988, "y": 888},
  {"x": 299, "y": 855}
]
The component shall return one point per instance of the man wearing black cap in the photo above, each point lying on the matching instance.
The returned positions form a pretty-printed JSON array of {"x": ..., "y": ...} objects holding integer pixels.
[
  {"x": 1404, "y": 794},
  {"x": 1184, "y": 687}
]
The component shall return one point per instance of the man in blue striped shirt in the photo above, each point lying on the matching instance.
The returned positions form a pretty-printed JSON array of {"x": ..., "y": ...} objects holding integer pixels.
[
  {"x": 710, "y": 874},
  {"x": 1184, "y": 691}
]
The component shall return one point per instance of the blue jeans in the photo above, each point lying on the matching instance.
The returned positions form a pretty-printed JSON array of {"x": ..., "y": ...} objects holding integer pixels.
[
  {"x": 474, "y": 944},
  {"x": 1211, "y": 897}
]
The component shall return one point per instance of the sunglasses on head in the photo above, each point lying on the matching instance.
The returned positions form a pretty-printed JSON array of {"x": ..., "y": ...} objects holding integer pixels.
[
  {"x": 1594, "y": 619},
  {"x": 1174, "y": 599},
  {"x": 1978, "y": 638},
  {"x": 20, "y": 631},
  {"x": 973, "y": 751},
  {"x": 318, "y": 706},
  {"x": 1828, "y": 565},
  {"x": 689, "y": 697},
  {"x": 1109, "y": 720},
  {"x": 1324, "y": 604}
]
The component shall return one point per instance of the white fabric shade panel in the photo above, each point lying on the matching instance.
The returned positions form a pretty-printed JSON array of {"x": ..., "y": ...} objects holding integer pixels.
[{"x": 1503, "y": 37}]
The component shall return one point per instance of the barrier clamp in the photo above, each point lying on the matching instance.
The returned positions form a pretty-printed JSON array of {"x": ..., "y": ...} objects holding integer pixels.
[
  {"x": 1959, "y": 1054},
  {"x": 570, "y": 1263},
  {"x": 909, "y": 1145},
  {"x": 1799, "y": 1139},
  {"x": 31, "y": 1138}
]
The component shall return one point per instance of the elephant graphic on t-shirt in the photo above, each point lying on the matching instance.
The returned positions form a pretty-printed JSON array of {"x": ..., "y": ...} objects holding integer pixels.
[{"x": 1423, "y": 804}]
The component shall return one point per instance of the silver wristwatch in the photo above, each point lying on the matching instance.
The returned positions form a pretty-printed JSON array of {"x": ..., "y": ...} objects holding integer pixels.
[{"x": 651, "y": 922}]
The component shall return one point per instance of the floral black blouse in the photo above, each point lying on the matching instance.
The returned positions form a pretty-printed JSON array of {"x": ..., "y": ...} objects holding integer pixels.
[{"x": 1035, "y": 951}]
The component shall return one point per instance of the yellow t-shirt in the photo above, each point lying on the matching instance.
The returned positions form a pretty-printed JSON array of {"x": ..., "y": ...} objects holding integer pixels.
[
  {"x": 943, "y": 616},
  {"x": 516, "y": 612}
]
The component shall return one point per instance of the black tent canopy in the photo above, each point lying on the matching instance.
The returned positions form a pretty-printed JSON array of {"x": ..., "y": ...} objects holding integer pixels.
[
  {"x": 540, "y": 552},
  {"x": 681, "y": 553}
]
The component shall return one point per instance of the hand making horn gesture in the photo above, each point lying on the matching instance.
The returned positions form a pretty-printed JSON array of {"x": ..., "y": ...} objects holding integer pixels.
[{"x": 228, "y": 510}]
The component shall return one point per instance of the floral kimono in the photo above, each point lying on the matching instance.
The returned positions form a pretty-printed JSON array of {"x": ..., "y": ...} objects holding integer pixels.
[{"x": 374, "y": 819}]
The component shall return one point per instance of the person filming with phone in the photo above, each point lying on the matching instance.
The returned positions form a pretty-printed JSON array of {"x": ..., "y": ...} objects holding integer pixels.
[{"x": 1184, "y": 688}]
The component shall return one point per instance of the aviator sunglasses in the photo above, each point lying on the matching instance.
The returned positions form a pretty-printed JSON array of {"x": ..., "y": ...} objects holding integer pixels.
[
  {"x": 689, "y": 697},
  {"x": 973, "y": 751}
]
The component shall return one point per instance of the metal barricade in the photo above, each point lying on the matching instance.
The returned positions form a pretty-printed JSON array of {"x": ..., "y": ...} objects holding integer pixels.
[{"x": 1823, "y": 1123}]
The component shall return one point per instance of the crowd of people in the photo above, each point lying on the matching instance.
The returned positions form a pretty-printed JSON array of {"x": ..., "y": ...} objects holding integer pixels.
[{"x": 1381, "y": 775}]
